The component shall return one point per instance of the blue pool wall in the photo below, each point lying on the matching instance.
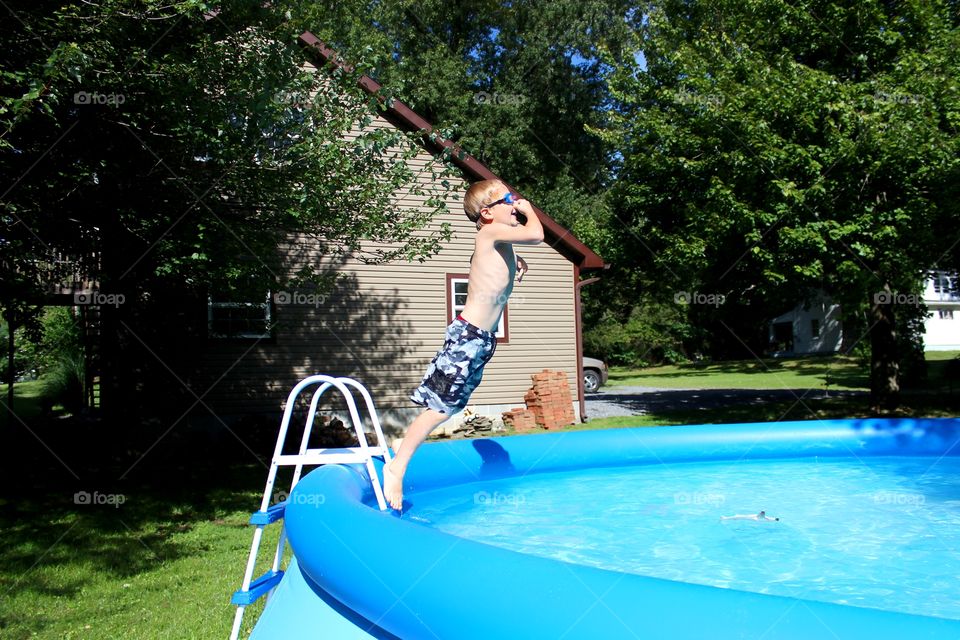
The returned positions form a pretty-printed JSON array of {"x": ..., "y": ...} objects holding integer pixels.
[{"x": 364, "y": 573}]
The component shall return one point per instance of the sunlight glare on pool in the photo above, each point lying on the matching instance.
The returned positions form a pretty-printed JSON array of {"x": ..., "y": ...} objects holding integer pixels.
[{"x": 879, "y": 532}]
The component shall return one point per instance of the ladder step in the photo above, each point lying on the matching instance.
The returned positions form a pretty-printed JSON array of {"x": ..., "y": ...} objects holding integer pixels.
[
  {"x": 258, "y": 588},
  {"x": 272, "y": 514}
]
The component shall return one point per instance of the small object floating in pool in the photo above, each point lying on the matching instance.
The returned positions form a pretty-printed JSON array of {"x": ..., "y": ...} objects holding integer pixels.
[
  {"x": 420, "y": 519},
  {"x": 758, "y": 517}
]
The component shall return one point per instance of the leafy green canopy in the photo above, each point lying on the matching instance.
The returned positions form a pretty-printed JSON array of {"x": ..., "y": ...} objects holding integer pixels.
[
  {"x": 175, "y": 142},
  {"x": 770, "y": 148},
  {"x": 514, "y": 83}
]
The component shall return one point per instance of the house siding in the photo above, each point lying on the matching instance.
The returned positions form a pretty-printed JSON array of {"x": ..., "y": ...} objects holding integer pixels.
[{"x": 382, "y": 324}]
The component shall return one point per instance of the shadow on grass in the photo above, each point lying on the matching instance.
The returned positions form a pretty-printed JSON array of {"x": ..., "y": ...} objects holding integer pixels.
[
  {"x": 27, "y": 401},
  {"x": 77, "y": 493},
  {"x": 942, "y": 376},
  {"x": 121, "y": 540},
  {"x": 82, "y": 501},
  {"x": 727, "y": 401},
  {"x": 839, "y": 372}
]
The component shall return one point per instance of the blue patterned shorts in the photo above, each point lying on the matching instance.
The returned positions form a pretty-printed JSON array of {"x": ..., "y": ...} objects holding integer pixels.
[{"x": 457, "y": 368}]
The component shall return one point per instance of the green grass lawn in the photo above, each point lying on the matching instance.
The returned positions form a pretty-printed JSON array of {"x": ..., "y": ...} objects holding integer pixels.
[
  {"x": 811, "y": 372},
  {"x": 27, "y": 401},
  {"x": 937, "y": 362},
  {"x": 158, "y": 566},
  {"x": 936, "y": 356},
  {"x": 842, "y": 372},
  {"x": 161, "y": 565}
]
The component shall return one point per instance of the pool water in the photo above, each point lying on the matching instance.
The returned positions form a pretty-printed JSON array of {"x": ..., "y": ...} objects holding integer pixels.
[{"x": 879, "y": 532}]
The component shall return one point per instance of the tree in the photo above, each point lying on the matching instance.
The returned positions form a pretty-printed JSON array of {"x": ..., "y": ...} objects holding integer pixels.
[
  {"x": 515, "y": 84},
  {"x": 771, "y": 148},
  {"x": 168, "y": 147}
]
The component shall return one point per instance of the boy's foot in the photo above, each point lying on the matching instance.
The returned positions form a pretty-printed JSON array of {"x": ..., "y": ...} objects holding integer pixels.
[{"x": 392, "y": 487}]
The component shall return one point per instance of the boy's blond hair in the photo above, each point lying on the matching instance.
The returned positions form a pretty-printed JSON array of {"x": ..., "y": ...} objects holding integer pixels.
[{"x": 479, "y": 194}]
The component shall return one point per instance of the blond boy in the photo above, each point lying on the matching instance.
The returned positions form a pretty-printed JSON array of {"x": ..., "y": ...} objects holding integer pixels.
[{"x": 470, "y": 342}]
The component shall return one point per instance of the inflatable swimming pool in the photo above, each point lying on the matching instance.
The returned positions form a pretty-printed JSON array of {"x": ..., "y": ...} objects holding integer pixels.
[{"x": 362, "y": 573}]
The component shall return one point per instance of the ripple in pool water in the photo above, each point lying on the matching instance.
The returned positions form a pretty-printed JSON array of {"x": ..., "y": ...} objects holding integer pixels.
[{"x": 872, "y": 532}]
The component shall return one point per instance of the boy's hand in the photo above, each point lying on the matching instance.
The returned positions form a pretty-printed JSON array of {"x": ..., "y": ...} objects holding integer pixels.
[
  {"x": 522, "y": 268},
  {"x": 530, "y": 231},
  {"x": 523, "y": 206}
]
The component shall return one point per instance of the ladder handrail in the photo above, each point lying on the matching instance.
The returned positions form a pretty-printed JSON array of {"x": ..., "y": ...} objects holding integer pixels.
[
  {"x": 285, "y": 425},
  {"x": 308, "y": 428},
  {"x": 374, "y": 417},
  {"x": 341, "y": 384}
]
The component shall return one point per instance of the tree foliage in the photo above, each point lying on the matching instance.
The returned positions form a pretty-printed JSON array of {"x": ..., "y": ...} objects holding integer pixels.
[
  {"x": 164, "y": 151},
  {"x": 177, "y": 142},
  {"x": 514, "y": 83},
  {"x": 771, "y": 148}
]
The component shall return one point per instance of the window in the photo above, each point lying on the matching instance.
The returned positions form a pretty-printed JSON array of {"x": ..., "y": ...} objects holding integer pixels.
[
  {"x": 782, "y": 336},
  {"x": 946, "y": 314},
  {"x": 246, "y": 320},
  {"x": 457, "y": 300},
  {"x": 940, "y": 283},
  {"x": 945, "y": 283},
  {"x": 815, "y": 328}
]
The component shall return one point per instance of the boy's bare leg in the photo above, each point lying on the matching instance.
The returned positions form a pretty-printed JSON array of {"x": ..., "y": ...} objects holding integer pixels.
[{"x": 394, "y": 471}]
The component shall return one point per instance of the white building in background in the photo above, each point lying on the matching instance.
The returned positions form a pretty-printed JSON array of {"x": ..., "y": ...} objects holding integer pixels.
[
  {"x": 942, "y": 297},
  {"x": 814, "y": 327}
]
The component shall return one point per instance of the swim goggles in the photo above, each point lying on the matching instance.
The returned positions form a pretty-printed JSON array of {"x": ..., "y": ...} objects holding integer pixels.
[{"x": 508, "y": 198}]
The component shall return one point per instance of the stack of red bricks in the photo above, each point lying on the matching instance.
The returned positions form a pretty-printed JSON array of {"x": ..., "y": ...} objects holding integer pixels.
[
  {"x": 549, "y": 399},
  {"x": 520, "y": 419}
]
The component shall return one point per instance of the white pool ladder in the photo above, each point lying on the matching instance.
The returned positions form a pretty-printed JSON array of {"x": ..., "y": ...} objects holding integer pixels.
[{"x": 252, "y": 590}]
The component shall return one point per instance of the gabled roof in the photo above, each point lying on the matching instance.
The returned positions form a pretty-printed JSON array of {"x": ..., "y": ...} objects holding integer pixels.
[{"x": 406, "y": 118}]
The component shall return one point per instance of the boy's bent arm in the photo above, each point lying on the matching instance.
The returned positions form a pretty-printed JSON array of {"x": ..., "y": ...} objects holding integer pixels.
[{"x": 529, "y": 233}]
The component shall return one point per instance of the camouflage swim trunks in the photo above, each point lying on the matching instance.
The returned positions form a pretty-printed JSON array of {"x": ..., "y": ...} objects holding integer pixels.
[{"x": 457, "y": 368}]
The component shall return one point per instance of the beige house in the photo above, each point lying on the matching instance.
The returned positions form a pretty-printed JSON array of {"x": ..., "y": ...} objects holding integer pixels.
[{"x": 382, "y": 324}]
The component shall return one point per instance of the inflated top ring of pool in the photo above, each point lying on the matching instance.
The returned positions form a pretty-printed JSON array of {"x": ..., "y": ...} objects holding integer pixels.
[{"x": 379, "y": 575}]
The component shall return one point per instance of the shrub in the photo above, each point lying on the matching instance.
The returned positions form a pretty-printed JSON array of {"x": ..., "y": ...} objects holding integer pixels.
[
  {"x": 52, "y": 351},
  {"x": 61, "y": 360},
  {"x": 654, "y": 333},
  {"x": 25, "y": 355}
]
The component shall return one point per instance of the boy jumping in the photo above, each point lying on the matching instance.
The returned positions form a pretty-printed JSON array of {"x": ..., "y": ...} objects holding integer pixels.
[{"x": 470, "y": 342}]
